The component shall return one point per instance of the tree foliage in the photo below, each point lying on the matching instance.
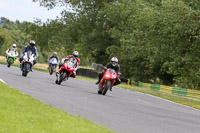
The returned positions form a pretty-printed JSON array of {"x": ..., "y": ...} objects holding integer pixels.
[{"x": 5, "y": 40}]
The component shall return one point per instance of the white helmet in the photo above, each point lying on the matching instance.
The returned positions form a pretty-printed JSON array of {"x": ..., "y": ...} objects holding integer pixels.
[
  {"x": 32, "y": 43},
  {"x": 14, "y": 45},
  {"x": 54, "y": 53},
  {"x": 75, "y": 53},
  {"x": 114, "y": 61}
]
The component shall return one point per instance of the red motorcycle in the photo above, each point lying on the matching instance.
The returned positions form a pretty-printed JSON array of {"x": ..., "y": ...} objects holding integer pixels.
[
  {"x": 107, "y": 81},
  {"x": 65, "y": 72}
]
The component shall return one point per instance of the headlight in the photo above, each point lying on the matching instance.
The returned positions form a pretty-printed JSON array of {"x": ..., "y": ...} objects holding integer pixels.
[{"x": 107, "y": 75}]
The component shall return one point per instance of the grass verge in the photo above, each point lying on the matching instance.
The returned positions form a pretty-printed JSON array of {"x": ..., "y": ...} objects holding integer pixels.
[
  {"x": 20, "y": 113},
  {"x": 192, "y": 102}
]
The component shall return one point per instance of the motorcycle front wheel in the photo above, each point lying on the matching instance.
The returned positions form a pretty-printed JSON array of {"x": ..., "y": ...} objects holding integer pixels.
[
  {"x": 51, "y": 69},
  {"x": 62, "y": 77},
  {"x": 106, "y": 86},
  {"x": 25, "y": 70},
  {"x": 10, "y": 61}
]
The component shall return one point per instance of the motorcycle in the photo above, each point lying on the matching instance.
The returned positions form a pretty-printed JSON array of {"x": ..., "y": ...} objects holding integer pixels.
[
  {"x": 53, "y": 63},
  {"x": 11, "y": 57},
  {"x": 66, "y": 71},
  {"x": 27, "y": 63},
  {"x": 107, "y": 81}
]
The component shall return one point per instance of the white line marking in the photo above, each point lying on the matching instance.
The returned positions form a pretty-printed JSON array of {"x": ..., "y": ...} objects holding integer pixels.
[
  {"x": 1, "y": 80},
  {"x": 162, "y": 99}
]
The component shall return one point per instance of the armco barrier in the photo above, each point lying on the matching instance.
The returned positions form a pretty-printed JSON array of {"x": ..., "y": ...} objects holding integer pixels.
[
  {"x": 193, "y": 93},
  {"x": 171, "y": 90},
  {"x": 179, "y": 91},
  {"x": 146, "y": 85},
  {"x": 165, "y": 89},
  {"x": 155, "y": 87},
  {"x": 87, "y": 72},
  {"x": 140, "y": 84}
]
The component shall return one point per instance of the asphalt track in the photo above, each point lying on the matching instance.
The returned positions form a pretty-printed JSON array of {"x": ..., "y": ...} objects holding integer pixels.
[{"x": 120, "y": 110}]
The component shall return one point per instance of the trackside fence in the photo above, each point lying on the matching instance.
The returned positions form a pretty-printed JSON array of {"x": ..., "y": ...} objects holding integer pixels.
[{"x": 171, "y": 90}]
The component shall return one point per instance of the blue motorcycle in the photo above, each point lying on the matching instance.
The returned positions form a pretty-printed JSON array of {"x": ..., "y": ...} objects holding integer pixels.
[{"x": 53, "y": 63}]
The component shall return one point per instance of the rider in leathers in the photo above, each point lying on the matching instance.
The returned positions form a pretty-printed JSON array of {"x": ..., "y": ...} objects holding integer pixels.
[
  {"x": 54, "y": 55},
  {"x": 31, "y": 47},
  {"x": 76, "y": 62},
  {"x": 113, "y": 64},
  {"x": 12, "y": 48}
]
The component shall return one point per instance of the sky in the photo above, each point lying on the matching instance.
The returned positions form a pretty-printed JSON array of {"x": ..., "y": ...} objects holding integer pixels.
[{"x": 26, "y": 10}]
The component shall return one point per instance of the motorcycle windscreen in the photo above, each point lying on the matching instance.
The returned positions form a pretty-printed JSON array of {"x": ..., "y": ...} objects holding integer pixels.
[
  {"x": 54, "y": 61},
  {"x": 112, "y": 71},
  {"x": 12, "y": 53},
  {"x": 29, "y": 54},
  {"x": 70, "y": 66}
]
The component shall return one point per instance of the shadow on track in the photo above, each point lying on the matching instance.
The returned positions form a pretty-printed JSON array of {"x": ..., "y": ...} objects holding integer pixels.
[{"x": 95, "y": 93}]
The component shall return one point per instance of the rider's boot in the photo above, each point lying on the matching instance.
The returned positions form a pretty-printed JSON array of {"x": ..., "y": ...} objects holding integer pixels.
[
  {"x": 31, "y": 69},
  {"x": 98, "y": 81},
  {"x": 74, "y": 75},
  {"x": 100, "y": 77},
  {"x": 57, "y": 74},
  {"x": 20, "y": 66}
]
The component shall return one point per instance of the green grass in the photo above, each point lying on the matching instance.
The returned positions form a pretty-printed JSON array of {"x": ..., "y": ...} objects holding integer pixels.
[{"x": 19, "y": 113}]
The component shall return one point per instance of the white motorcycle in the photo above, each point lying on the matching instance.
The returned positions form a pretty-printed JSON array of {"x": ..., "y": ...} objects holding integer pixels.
[
  {"x": 11, "y": 57},
  {"x": 27, "y": 63}
]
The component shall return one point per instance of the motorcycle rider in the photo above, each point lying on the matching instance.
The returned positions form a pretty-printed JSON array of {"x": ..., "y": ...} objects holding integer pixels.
[
  {"x": 113, "y": 64},
  {"x": 76, "y": 60},
  {"x": 12, "y": 48},
  {"x": 54, "y": 55},
  {"x": 31, "y": 47}
]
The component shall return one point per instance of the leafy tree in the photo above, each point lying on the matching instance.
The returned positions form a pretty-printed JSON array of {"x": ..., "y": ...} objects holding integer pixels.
[{"x": 5, "y": 40}]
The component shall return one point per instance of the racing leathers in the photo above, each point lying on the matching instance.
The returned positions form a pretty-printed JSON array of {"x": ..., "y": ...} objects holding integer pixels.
[
  {"x": 53, "y": 56},
  {"x": 116, "y": 68},
  {"x": 33, "y": 49},
  {"x": 11, "y": 49},
  {"x": 76, "y": 61}
]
